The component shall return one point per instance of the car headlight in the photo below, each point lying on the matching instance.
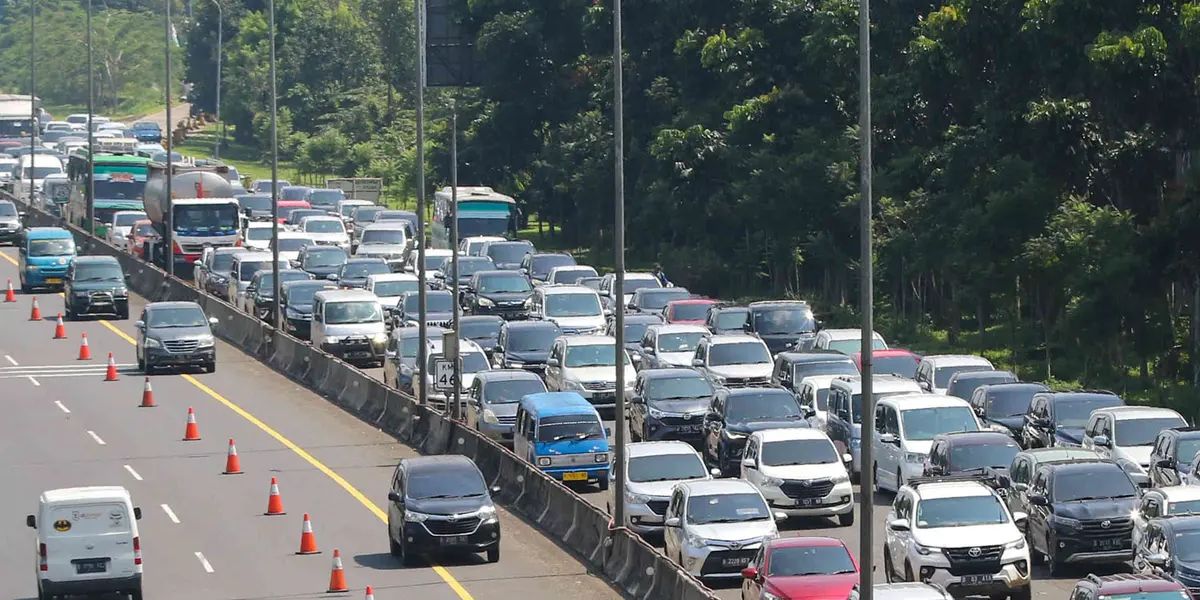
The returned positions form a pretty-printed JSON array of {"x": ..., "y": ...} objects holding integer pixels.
[
  {"x": 31, "y": 267},
  {"x": 601, "y": 457},
  {"x": 333, "y": 339},
  {"x": 573, "y": 385},
  {"x": 914, "y": 457},
  {"x": 489, "y": 417},
  {"x": 415, "y": 517},
  {"x": 487, "y": 513},
  {"x": 772, "y": 481},
  {"x": 1017, "y": 545},
  {"x": 205, "y": 342},
  {"x": 153, "y": 343},
  {"x": 654, "y": 412},
  {"x": 636, "y": 498},
  {"x": 543, "y": 461},
  {"x": 843, "y": 478},
  {"x": 770, "y": 596},
  {"x": 1131, "y": 467},
  {"x": 516, "y": 364},
  {"x": 379, "y": 338},
  {"x": 119, "y": 292},
  {"x": 484, "y": 302},
  {"x": 1067, "y": 522},
  {"x": 291, "y": 313},
  {"x": 926, "y": 550}
]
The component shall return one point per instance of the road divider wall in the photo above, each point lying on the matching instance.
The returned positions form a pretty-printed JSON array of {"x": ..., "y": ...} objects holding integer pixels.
[{"x": 634, "y": 566}]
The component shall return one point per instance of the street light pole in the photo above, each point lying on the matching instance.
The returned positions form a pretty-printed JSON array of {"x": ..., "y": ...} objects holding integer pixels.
[
  {"x": 619, "y": 261},
  {"x": 866, "y": 519},
  {"x": 220, "y": 46},
  {"x": 169, "y": 230},
  {"x": 275, "y": 315},
  {"x": 90, "y": 191},
  {"x": 422, "y": 353},
  {"x": 456, "y": 397},
  {"x": 33, "y": 116}
]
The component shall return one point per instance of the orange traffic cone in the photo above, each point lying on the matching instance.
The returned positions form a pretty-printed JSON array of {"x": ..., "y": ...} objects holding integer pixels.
[
  {"x": 337, "y": 577},
  {"x": 35, "y": 313},
  {"x": 370, "y": 594},
  {"x": 85, "y": 353},
  {"x": 275, "y": 501},
  {"x": 9, "y": 294},
  {"x": 233, "y": 466},
  {"x": 111, "y": 373},
  {"x": 192, "y": 432},
  {"x": 60, "y": 330},
  {"x": 308, "y": 540},
  {"x": 148, "y": 395}
]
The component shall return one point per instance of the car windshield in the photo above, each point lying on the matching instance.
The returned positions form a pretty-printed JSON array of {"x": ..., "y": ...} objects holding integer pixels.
[
  {"x": 293, "y": 244},
  {"x": 367, "y": 214},
  {"x": 1090, "y": 483},
  {"x": 811, "y": 560},
  {"x": 1186, "y": 450},
  {"x": 258, "y": 233},
  {"x": 480, "y": 329},
  {"x": 266, "y": 282},
  {"x": 655, "y": 300},
  {"x": 246, "y": 269},
  {"x": 221, "y": 261},
  {"x": 54, "y": 247},
  {"x": 572, "y": 305},
  {"x": 822, "y": 396},
  {"x": 839, "y": 367},
  {"x": 145, "y": 229},
  {"x": 942, "y": 375},
  {"x": 763, "y": 406},
  {"x": 382, "y": 236},
  {"x": 923, "y": 424},
  {"x": 325, "y": 197},
  {"x": 531, "y": 339},
  {"x": 190, "y": 316},
  {"x": 635, "y": 329},
  {"x": 467, "y": 266},
  {"x": 780, "y": 321},
  {"x": 1184, "y": 507},
  {"x": 542, "y": 264},
  {"x": 739, "y": 353},
  {"x": 325, "y": 257},
  {"x": 255, "y": 203},
  {"x": 962, "y": 511},
  {"x": 965, "y": 457},
  {"x": 730, "y": 319},
  {"x": 679, "y": 342},
  {"x": 690, "y": 311},
  {"x": 42, "y": 172},
  {"x": 572, "y": 275},
  {"x": 98, "y": 272},
  {"x": 1009, "y": 403},
  {"x": 1075, "y": 411},
  {"x": 593, "y": 355},
  {"x": 432, "y": 261},
  {"x": 904, "y": 366},
  {"x": 508, "y": 252},
  {"x": 293, "y": 193},
  {"x": 434, "y": 303},
  {"x": 360, "y": 270},
  {"x": 855, "y": 345},
  {"x": 348, "y": 209},
  {"x": 302, "y": 295},
  {"x": 963, "y": 388},
  {"x": 726, "y": 508},
  {"x": 799, "y": 452},
  {"x": 684, "y": 387},
  {"x": 7, "y": 209},
  {"x": 512, "y": 390},
  {"x": 295, "y": 215},
  {"x": 1142, "y": 432},
  {"x": 359, "y": 311},
  {"x": 579, "y": 427},
  {"x": 457, "y": 482},
  {"x": 503, "y": 284},
  {"x": 666, "y": 467},
  {"x": 389, "y": 289},
  {"x": 324, "y": 226},
  {"x": 123, "y": 219}
]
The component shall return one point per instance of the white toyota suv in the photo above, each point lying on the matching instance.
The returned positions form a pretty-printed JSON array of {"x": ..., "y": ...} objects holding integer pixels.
[
  {"x": 957, "y": 533},
  {"x": 714, "y": 528},
  {"x": 735, "y": 360},
  {"x": 799, "y": 471}
]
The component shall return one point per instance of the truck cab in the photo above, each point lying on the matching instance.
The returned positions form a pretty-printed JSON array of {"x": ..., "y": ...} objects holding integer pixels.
[{"x": 45, "y": 254}]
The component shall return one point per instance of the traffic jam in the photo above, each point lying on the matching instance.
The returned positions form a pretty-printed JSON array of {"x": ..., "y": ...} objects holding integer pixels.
[{"x": 743, "y": 419}]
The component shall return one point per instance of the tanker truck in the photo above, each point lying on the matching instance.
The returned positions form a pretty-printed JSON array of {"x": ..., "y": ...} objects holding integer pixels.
[{"x": 204, "y": 213}]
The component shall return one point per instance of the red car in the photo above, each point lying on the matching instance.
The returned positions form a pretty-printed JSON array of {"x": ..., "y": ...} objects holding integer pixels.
[
  {"x": 142, "y": 230},
  {"x": 897, "y": 361},
  {"x": 287, "y": 206},
  {"x": 692, "y": 311},
  {"x": 1129, "y": 585},
  {"x": 801, "y": 568}
]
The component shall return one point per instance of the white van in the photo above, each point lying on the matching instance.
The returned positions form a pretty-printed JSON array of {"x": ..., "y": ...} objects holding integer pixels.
[
  {"x": 905, "y": 425},
  {"x": 87, "y": 542},
  {"x": 349, "y": 324}
]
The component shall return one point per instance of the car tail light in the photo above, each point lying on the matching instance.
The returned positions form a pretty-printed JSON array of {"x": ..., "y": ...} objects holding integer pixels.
[
  {"x": 137, "y": 550},
  {"x": 238, "y": 242},
  {"x": 42, "y": 564},
  {"x": 176, "y": 247}
]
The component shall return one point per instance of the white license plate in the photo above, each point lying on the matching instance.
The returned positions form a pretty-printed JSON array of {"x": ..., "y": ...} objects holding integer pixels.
[
  {"x": 735, "y": 562},
  {"x": 455, "y": 540},
  {"x": 808, "y": 501},
  {"x": 977, "y": 579}
]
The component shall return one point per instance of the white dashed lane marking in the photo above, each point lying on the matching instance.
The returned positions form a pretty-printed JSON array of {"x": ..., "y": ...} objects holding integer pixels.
[{"x": 96, "y": 437}]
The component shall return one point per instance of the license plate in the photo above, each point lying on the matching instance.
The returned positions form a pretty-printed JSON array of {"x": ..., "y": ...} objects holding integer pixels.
[
  {"x": 1108, "y": 544},
  {"x": 977, "y": 579},
  {"x": 53, "y": 280},
  {"x": 808, "y": 501},
  {"x": 735, "y": 562},
  {"x": 455, "y": 540},
  {"x": 358, "y": 354},
  {"x": 98, "y": 565},
  {"x": 689, "y": 429},
  {"x": 577, "y": 476}
]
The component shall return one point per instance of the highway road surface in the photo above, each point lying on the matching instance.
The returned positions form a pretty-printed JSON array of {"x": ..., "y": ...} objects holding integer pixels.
[{"x": 204, "y": 535}]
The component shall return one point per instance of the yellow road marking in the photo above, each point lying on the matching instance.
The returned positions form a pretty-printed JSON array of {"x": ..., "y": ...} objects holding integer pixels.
[
  {"x": 9, "y": 259},
  {"x": 462, "y": 592}
]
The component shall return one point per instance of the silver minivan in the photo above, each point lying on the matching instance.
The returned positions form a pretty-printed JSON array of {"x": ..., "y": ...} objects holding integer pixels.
[{"x": 349, "y": 324}]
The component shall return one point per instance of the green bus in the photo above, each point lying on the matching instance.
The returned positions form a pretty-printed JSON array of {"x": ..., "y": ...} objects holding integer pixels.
[{"x": 120, "y": 185}]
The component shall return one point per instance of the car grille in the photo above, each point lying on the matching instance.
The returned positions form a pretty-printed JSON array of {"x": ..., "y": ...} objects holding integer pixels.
[
  {"x": 181, "y": 346},
  {"x": 716, "y": 561},
  {"x": 658, "y": 507},
  {"x": 443, "y": 323},
  {"x": 975, "y": 560},
  {"x": 1095, "y": 528},
  {"x": 807, "y": 488},
  {"x": 681, "y": 421},
  {"x": 438, "y": 526},
  {"x": 101, "y": 297},
  {"x": 355, "y": 344},
  {"x": 570, "y": 460},
  {"x": 507, "y": 420},
  {"x": 745, "y": 381},
  {"x": 598, "y": 386}
]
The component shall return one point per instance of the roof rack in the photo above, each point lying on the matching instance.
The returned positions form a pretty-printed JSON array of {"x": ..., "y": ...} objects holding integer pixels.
[{"x": 983, "y": 478}]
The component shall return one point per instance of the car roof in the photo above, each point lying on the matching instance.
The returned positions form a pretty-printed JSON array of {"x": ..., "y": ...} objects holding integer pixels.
[
  {"x": 564, "y": 288},
  {"x": 1066, "y": 395},
  {"x": 778, "y": 304},
  {"x": 1077, "y": 465},
  {"x": 804, "y": 542},
  {"x": 377, "y": 277},
  {"x": 956, "y": 360},
  {"x": 588, "y": 340},
  {"x": 665, "y": 328},
  {"x": 638, "y": 449},
  {"x": 437, "y": 462},
  {"x": 345, "y": 295},
  {"x": 953, "y": 489},
  {"x": 881, "y": 383},
  {"x": 976, "y": 438},
  {"x": 431, "y": 331},
  {"x": 671, "y": 373},
  {"x": 891, "y": 353},
  {"x": 558, "y": 403},
  {"x": 224, "y": 249},
  {"x": 1012, "y": 385},
  {"x": 847, "y": 334},
  {"x": 913, "y": 401},
  {"x": 480, "y": 319},
  {"x": 383, "y": 225},
  {"x": 1128, "y": 583},
  {"x": 254, "y": 255},
  {"x": 365, "y": 259},
  {"x": 717, "y": 487},
  {"x": 969, "y": 375},
  {"x": 733, "y": 338},
  {"x": 790, "y": 433},
  {"x": 820, "y": 381},
  {"x": 171, "y": 304},
  {"x": 519, "y": 325},
  {"x": 816, "y": 355},
  {"x": 108, "y": 260},
  {"x": 753, "y": 391},
  {"x": 1137, "y": 412},
  {"x": 85, "y": 494},
  {"x": 1059, "y": 453},
  {"x": 504, "y": 374},
  {"x": 47, "y": 233},
  {"x": 1180, "y": 493}
]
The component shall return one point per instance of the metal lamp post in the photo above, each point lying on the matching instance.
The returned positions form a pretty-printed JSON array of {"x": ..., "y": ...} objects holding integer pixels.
[
  {"x": 275, "y": 314},
  {"x": 422, "y": 331},
  {"x": 220, "y": 48},
  {"x": 619, "y": 262},
  {"x": 866, "y": 490},
  {"x": 33, "y": 115},
  {"x": 90, "y": 192},
  {"x": 169, "y": 229}
]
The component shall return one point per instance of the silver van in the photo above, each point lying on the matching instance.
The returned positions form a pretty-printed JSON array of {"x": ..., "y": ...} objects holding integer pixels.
[{"x": 349, "y": 324}]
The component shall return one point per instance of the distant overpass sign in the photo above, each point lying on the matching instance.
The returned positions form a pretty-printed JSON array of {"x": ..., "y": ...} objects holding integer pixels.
[{"x": 358, "y": 188}]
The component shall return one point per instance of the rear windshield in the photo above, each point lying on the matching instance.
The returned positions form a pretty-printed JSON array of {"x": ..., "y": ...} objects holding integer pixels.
[{"x": 86, "y": 520}]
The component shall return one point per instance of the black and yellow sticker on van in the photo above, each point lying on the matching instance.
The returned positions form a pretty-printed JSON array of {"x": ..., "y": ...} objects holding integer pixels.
[{"x": 62, "y": 525}]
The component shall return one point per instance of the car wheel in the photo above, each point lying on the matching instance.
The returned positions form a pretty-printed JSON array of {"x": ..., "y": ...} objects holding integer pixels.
[
  {"x": 123, "y": 315},
  {"x": 847, "y": 519},
  {"x": 899, "y": 480},
  {"x": 888, "y": 571},
  {"x": 393, "y": 548},
  {"x": 1052, "y": 564},
  {"x": 1025, "y": 593},
  {"x": 908, "y": 574},
  {"x": 135, "y": 594},
  {"x": 141, "y": 362},
  {"x": 878, "y": 488},
  {"x": 493, "y": 554},
  {"x": 406, "y": 559},
  {"x": 211, "y": 367},
  {"x": 603, "y": 484},
  {"x": 1035, "y": 557},
  {"x": 68, "y": 314}
]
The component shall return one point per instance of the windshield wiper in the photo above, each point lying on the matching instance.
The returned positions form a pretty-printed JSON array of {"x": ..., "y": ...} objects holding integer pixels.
[
  {"x": 725, "y": 521},
  {"x": 587, "y": 435},
  {"x": 175, "y": 326}
]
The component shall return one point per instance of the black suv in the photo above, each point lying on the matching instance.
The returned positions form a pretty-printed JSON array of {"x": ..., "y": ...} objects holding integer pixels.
[
  {"x": 1170, "y": 546},
  {"x": 261, "y": 291},
  {"x": 439, "y": 309},
  {"x": 1081, "y": 512},
  {"x": 727, "y": 319},
  {"x": 536, "y": 266},
  {"x": 971, "y": 453},
  {"x": 298, "y": 304},
  {"x": 95, "y": 285},
  {"x": 669, "y": 404},
  {"x": 635, "y": 330},
  {"x": 782, "y": 324},
  {"x": 525, "y": 345},
  {"x": 1172, "y": 454},
  {"x": 1058, "y": 418},
  {"x": 733, "y": 414},
  {"x": 321, "y": 261},
  {"x": 354, "y": 272},
  {"x": 481, "y": 329},
  {"x": 497, "y": 293},
  {"x": 438, "y": 504},
  {"x": 1004, "y": 404},
  {"x": 792, "y": 367}
]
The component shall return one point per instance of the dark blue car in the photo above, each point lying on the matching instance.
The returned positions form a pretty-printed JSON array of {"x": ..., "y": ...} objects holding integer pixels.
[{"x": 147, "y": 131}]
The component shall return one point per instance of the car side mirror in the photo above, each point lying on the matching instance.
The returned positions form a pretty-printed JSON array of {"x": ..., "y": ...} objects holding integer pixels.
[
  {"x": 672, "y": 522},
  {"x": 140, "y": 325},
  {"x": 748, "y": 463},
  {"x": 898, "y": 525},
  {"x": 750, "y": 573},
  {"x": 137, "y": 513},
  {"x": 1020, "y": 487},
  {"x": 332, "y": 277},
  {"x": 808, "y": 411},
  {"x": 1158, "y": 559},
  {"x": 1102, "y": 441},
  {"x": 1165, "y": 463},
  {"x": 889, "y": 438},
  {"x": 637, "y": 400},
  {"x": 780, "y": 516},
  {"x": 552, "y": 362},
  {"x": 214, "y": 321},
  {"x": 608, "y": 432},
  {"x": 847, "y": 458},
  {"x": 711, "y": 417},
  {"x": 31, "y": 521},
  {"x": 1038, "y": 500},
  {"x": 697, "y": 362},
  {"x": 394, "y": 497},
  {"x": 495, "y": 489},
  {"x": 715, "y": 472}
]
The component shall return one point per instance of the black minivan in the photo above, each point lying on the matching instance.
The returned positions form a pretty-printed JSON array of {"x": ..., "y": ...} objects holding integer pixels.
[{"x": 441, "y": 504}]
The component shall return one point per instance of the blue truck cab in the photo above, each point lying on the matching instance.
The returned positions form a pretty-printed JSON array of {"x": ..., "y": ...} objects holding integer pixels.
[
  {"x": 561, "y": 433},
  {"x": 45, "y": 254}
]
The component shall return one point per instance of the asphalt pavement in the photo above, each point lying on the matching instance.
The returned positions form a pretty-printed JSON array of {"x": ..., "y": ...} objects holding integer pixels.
[{"x": 204, "y": 535}]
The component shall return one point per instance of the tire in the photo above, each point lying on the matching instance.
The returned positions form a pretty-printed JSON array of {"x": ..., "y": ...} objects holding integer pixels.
[
  {"x": 888, "y": 575},
  {"x": 899, "y": 480},
  {"x": 846, "y": 520},
  {"x": 123, "y": 315},
  {"x": 875, "y": 469},
  {"x": 406, "y": 559},
  {"x": 603, "y": 484},
  {"x": 1055, "y": 567},
  {"x": 393, "y": 548},
  {"x": 908, "y": 574},
  {"x": 1035, "y": 557},
  {"x": 68, "y": 314},
  {"x": 493, "y": 554},
  {"x": 210, "y": 367},
  {"x": 135, "y": 594},
  {"x": 1025, "y": 593},
  {"x": 141, "y": 362}
]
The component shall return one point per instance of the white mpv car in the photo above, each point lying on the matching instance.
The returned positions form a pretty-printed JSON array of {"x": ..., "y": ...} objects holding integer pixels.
[
  {"x": 714, "y": 528},
  {"x": 799, "y": 471}
]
